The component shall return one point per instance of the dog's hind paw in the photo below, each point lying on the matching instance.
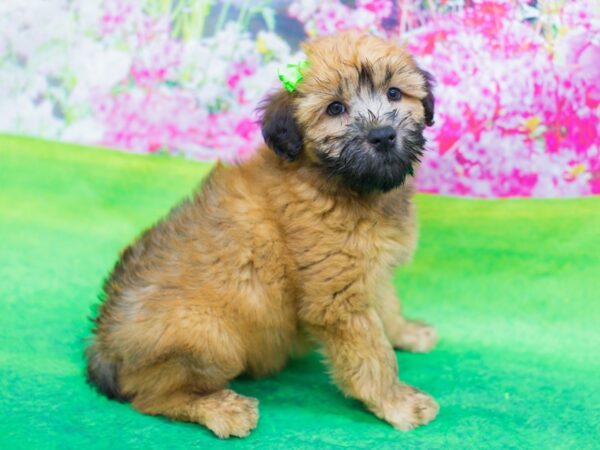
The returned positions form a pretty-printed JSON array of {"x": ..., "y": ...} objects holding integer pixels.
[
  {"x": 416, "y": 337},
  {"x": 232, "y": 415}
]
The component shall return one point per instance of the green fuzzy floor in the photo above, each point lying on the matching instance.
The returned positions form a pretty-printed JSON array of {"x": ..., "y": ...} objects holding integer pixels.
[{"x": 512, "y": 286}]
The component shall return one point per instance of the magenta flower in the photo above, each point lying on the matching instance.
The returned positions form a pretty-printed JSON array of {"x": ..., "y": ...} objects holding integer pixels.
[
  {"x": 512, "y": 121},
  {"x": 517, "y": 96}
]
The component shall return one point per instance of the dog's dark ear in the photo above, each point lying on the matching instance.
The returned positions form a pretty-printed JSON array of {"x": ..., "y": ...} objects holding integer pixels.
[
  {"x": 429, "y": 101},
  {"x": 279, "y": 128}
]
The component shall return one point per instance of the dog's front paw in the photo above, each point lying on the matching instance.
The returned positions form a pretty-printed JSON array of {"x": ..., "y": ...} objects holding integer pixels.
[
  {"x": 407, "y": 408},
  {"x": 416, "y": 337}
]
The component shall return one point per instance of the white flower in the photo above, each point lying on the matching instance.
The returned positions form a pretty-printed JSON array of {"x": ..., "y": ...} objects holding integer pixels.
[
  {"x": 274, "y": 44},
  {"x": 263, "y": 80},
  {"x": 23, "y": 115},
  {"x": 304, "y": 9},
  {"x": 89, "y": 13},
  {"x": 98, "y": 67},
  {"x": 87, "y": 130}
]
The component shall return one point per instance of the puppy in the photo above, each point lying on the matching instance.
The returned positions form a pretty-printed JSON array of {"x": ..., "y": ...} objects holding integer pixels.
[{"x": 292, "y": 248}]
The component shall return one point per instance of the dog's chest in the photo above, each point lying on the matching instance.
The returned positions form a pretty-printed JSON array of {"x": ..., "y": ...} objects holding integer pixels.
[
  {"x": 396, "y": 233},
  {"x": 384, "y": 241},
  {"x": 369, "y": 239}
]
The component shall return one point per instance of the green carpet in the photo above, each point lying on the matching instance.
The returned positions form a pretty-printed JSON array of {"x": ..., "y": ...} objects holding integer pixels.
[{"x": 512, "y": 286}]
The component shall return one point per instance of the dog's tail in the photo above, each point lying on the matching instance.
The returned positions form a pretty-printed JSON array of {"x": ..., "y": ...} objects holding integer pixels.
[{"x": 103, "y": 374}]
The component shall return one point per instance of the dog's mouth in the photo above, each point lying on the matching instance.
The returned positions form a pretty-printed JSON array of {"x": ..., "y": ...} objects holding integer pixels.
[{"x": 365, "y": 169}]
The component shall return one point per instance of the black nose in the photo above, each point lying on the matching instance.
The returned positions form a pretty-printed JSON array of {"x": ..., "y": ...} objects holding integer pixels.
[{"x": 383, "y": 138}]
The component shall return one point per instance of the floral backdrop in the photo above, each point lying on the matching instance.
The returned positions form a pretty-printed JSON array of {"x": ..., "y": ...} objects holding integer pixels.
[{"x": 518, "y": 82}]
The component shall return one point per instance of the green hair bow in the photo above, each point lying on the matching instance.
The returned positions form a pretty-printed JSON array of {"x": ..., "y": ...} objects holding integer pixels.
[{"x": 291, "y": 75}]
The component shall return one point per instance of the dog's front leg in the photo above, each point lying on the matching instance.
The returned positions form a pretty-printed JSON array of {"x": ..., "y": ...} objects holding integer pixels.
[
  {"x": 364, "y": 366},
  {"x": 404, "y": 334}
]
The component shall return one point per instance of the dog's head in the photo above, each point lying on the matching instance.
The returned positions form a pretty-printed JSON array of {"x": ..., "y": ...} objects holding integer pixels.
[{"x": 359, "y": 112}]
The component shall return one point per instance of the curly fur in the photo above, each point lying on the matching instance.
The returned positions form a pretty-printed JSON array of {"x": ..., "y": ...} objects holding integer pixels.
[{"x": 292, "y": 248}]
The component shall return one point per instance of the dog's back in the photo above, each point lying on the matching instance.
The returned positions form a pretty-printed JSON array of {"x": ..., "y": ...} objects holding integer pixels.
[{"x": 208, "y": 280}]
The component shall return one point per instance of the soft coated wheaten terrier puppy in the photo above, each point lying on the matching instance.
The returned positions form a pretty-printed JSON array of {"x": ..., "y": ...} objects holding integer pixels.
[{"x": 293, "y": 247}]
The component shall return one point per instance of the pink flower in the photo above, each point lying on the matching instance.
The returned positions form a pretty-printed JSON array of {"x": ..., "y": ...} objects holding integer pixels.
[
  {"x": 381, "y": 8},
  {"x": 517, "y": 109},
  {"x": 583, "y": 57},
  {"x": 332, "y": 17},
  {"x": 239, "y": 71},
  {"x": 510, "y": 121},
  {"x": 116, "y": 15},
  {"x": 247, "y": 128}
]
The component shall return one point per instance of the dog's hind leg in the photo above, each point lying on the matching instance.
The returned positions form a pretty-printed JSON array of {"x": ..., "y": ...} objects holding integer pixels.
[
  {"x": 404, "y": 334},
  {"x": 224, "y": 412},
  {"x": 181, "y": 388}
]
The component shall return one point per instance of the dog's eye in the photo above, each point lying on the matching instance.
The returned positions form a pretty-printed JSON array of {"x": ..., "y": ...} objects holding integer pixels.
[
  {"x": 394, "y": 94},
  {"x": 336, "y": 108}
]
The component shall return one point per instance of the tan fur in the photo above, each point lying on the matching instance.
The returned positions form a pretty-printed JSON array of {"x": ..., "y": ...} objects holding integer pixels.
[{"x": 268, "y": 257}]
